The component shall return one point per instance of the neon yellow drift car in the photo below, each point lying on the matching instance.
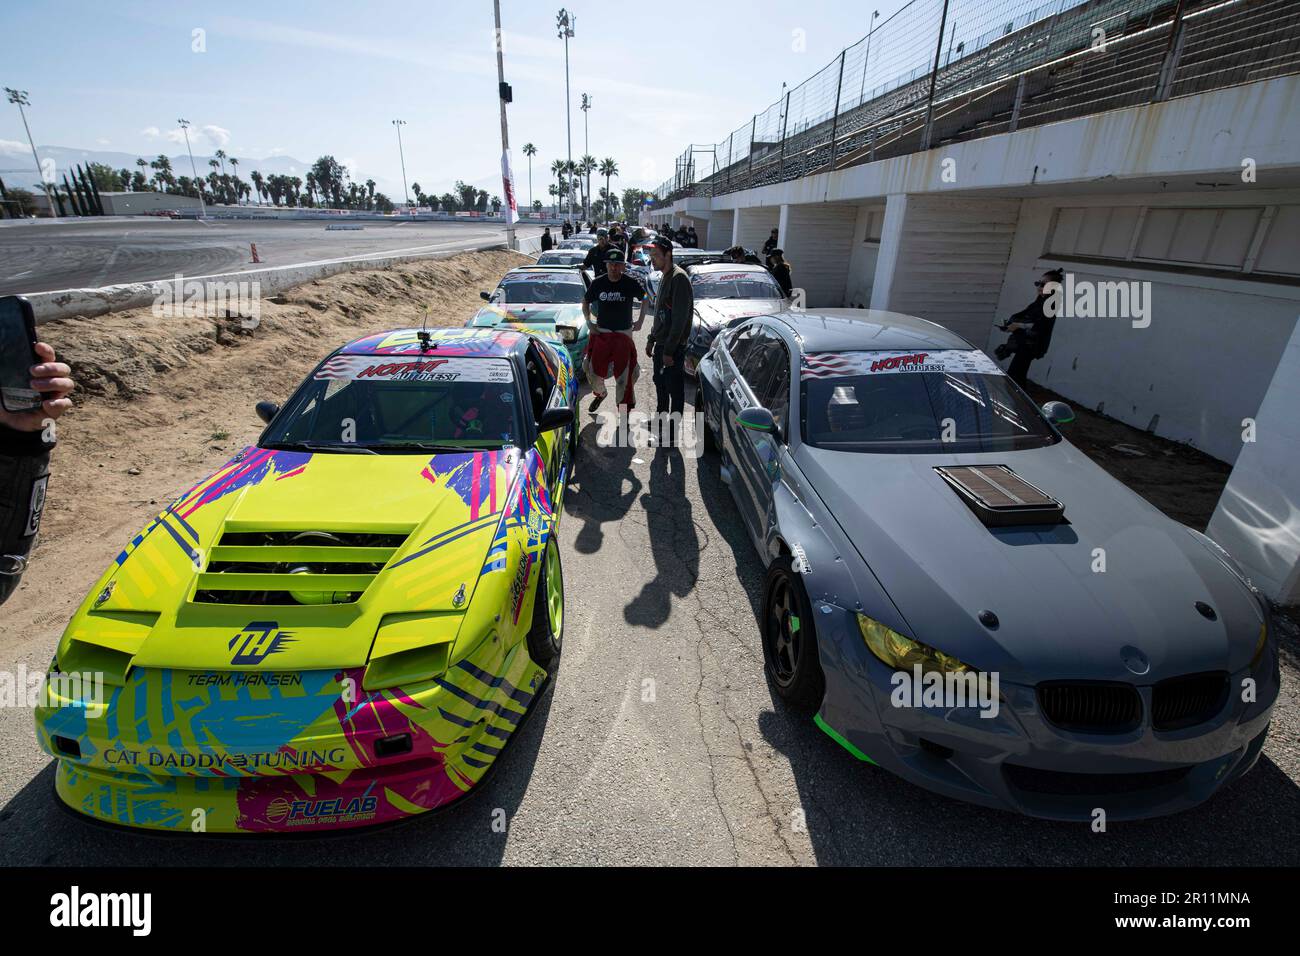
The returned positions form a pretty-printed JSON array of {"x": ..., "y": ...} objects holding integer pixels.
[{"x": 345, "y": 624}]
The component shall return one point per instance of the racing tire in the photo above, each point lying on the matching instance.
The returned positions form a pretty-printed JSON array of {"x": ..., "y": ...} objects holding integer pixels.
[
  {"x": 546, "y": 634},
  {"x": 790, "y": 637}
]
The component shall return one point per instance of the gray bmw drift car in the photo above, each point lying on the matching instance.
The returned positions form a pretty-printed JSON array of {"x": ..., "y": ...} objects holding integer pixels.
[{"x": 966, "y": 598}]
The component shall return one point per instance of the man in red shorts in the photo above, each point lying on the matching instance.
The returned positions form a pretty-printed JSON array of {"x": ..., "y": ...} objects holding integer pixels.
[{"x": 611, "y": 351}]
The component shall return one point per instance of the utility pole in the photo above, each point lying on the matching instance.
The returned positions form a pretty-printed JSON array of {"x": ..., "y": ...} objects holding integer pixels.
[
  {"x": 586, "y": 151},
  {"x": 19, "y": 99},
  {"x": 198, "y": 183},
  {"x": 565, "y": 24},
  {"x": 507, "y": 174},
  {"x": 402, "y": 156}
]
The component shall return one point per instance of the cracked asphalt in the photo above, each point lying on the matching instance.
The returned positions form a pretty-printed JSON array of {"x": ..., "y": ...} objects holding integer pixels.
[{"x": 660, "y": 741}]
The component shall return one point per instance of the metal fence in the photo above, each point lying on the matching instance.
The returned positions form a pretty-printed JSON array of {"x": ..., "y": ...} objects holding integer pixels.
[{"x": 943, "y": 71}]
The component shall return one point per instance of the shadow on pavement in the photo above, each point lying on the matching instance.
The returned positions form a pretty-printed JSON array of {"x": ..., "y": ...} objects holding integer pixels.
[
  {"x": 674, "y": 540},
  {"x": 597, "y": 495}
]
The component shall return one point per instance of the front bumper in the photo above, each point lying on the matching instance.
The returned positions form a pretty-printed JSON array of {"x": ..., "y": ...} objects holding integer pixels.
[
  {"x": 183, "y": 751},
  {"x": 1017, "y": 760}
]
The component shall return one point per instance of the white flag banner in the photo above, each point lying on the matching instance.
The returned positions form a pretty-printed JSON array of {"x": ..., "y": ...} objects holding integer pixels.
[{"x": 508, "y": 186}]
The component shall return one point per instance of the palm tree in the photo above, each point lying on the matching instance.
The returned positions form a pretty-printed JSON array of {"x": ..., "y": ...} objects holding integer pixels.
[
  {"x": 559, "y": 168},
  {"x": 234, "y": 175},
  {"x": 495, "y": 203},
  {"x": 587, "y": 164},
  {"x": 608, "y": 168},
  {"x": 221, "y": 155},
  {"x": 311, "y": 188},
  {"x": 530, "y": 151},
  {"x": 258, "y": 184}
]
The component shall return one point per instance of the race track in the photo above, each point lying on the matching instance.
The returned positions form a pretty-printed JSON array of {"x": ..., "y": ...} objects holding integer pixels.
[{"x": 44, "y": 257}]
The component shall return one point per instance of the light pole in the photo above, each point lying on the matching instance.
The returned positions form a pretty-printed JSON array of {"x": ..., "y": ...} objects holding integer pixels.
[
  {"x": 565, "y": 24},
  {"x": 867, "y": 56},
  {"x": 586, "y": 151},
  {"x": 19, "y": 99},
  {"x": 507, "y": 173},
  {"x": 402, "y": 156},
  {"x": 198, "y": 183}
]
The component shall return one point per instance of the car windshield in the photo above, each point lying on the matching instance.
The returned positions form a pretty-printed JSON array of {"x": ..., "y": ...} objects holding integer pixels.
[
  {"x": 735, "y": 285},
  {"x": 540, "y": 287},
  {"x": 583, "y": 244},
  {"x": 386, "y": 403},
  {"x": 916, "y": 402},
  {"x": 560, "y": 259}
]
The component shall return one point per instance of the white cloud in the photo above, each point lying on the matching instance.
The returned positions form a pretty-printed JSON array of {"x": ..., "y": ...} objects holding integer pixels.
[
  {"x": 103, "y": 142},
  {"x": 151, "y": 132},
  {"x": 216, "y": 135},
  {"x": 11, "y": 146}
]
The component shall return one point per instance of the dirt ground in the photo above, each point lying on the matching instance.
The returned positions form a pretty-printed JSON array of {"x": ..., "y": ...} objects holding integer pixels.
[
  {"x": 163, "y": 402},
  {"x": 1179, "y": 480}
]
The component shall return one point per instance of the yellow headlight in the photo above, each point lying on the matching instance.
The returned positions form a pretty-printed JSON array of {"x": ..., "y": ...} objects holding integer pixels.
[
  {"x": 1260, "y": 644},
  {"x": 903, "y": 653}
]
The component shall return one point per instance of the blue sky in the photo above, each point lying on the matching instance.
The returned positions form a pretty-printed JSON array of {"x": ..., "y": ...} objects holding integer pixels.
[{"x": 289, "y": 77}]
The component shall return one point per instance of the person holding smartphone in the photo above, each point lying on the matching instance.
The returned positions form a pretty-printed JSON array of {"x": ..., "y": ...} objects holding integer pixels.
[{"x": 33, "y": 394}]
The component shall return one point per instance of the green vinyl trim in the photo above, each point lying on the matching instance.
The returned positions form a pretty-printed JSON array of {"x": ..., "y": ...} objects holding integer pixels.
[{"x": 832, "y": 733}]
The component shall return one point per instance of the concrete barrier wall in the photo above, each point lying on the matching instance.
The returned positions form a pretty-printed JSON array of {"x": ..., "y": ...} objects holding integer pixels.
[{"x": 133, "y": 295}]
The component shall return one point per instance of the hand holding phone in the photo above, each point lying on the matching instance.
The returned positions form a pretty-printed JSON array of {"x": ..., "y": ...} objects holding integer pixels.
[{"x": 33, "y": 386}]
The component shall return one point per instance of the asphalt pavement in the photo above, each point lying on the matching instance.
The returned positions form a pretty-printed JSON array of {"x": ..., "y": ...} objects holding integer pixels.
[
  {"x": 41, "y": 256},
  {"x": 660, "y": 741}
]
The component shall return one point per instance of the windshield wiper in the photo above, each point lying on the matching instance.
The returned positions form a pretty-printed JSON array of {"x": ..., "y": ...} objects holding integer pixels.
[
  {"x": 345, "y": 447},
  {"x": 437, "y": 448}
]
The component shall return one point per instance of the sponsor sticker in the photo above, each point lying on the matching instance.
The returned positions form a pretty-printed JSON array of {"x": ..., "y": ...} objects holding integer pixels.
[
  {"x": 845, "y": 364},
  {"x": 36, "y": 506},
  {"x": 365, "y": 368}
]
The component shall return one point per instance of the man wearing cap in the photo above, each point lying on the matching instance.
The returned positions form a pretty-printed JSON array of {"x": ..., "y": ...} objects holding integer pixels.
[
  {"x": 595, "y": 258},
  {"x": 674, "y": 310},
  {"x": 611, "y": 351}
]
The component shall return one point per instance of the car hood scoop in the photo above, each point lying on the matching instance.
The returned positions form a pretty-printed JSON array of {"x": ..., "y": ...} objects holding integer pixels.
[{"x": 999, "y": 497}]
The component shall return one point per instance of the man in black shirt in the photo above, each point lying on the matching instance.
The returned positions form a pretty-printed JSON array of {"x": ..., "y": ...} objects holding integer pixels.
[
  {"x": 595, "y": 258},
  {"x": 565, "y": 229},
  {"x": 611, "y": 351},
  {"x": 770, "y": 244},
  {"x": 1031, "y": 330},
  {"x": 781, "y": 272},
  {"x": 548, "y": 241}
]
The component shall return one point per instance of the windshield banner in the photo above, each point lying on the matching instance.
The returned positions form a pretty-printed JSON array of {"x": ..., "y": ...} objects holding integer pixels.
[
  {"x": 381, "y": 368},
  {"x": 843, "y": 364}
]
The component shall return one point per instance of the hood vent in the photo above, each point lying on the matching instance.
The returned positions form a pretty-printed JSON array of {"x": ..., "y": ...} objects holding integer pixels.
[
  {"x": 294, "y": 567},
  {"x": 999, "y": 497}
]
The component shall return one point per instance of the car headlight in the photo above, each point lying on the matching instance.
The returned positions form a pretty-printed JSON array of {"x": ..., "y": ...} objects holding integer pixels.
[
  {"x": 1260, "y": 644},
  {"x": 567, "y": 333},
  {"x": 903, "y": 653}
]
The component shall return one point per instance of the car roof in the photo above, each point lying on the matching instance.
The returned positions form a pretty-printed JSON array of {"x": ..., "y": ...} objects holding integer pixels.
[
  {"x": 705, "y": 268},
  {"x": 546, "y": 267},
  {"x": 848, "y": 330},
  {"x": 460, "y": 342}
]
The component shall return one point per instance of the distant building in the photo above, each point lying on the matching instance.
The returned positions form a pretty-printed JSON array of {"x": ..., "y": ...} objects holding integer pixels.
[{"x": 135, "y": 204}]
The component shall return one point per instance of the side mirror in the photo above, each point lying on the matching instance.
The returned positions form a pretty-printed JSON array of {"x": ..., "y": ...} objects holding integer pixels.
[
  {"x": 756, "y": 419},
  {"x": 267, "y": 411},
  {"x": 1058, "y": 413},
  {"x": 554, "y": 418},
  {"x": 485, "y": 297}
]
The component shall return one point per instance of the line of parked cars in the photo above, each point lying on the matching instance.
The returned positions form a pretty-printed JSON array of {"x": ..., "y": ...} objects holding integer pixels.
[{"x": 349, "y": 621}]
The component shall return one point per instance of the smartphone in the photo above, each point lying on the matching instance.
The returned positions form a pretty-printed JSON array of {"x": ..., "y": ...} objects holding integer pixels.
[{"x": 17, "y": 355}]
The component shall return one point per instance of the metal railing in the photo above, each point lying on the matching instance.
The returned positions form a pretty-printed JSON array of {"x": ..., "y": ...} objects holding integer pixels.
[{"x": 942, "y": 71}]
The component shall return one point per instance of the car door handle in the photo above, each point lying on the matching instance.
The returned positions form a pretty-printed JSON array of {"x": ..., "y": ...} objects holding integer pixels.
[{"x": 734, "y": 393}]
